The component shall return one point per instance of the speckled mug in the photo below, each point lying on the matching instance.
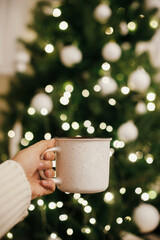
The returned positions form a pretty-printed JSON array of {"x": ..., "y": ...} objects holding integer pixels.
[{"x": 82, "y": 164}]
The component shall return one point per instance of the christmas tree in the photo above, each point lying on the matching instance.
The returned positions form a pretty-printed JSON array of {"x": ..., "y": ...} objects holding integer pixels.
[{"x": 91, "y": 69}]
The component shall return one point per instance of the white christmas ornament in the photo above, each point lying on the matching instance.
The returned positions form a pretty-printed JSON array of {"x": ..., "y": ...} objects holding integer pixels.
[
  {"x": 154, "y": 50},
  {"x": 70, "y": 55},
  {"x": 141, "y": 108},
  {"x": 150, "y": 4},
  {"x": 139, "y": 80},
  {"x": 146, "y": 217},
  {"x": 42, "y": 101},
  {"x": 108, "y": 85},
  {"x": 102, "y": 13},
  {"x": 127, "y": 132},
  {"x": 129, "y": 236},
  {"x": 142, "y": 47},
  {"x": 111, "y": 52}
]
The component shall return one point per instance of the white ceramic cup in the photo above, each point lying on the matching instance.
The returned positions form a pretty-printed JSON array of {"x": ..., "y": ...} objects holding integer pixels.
[{"x": 82, "y": 164}]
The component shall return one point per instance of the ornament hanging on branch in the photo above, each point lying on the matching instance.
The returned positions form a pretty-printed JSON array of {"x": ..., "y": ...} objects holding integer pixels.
[
  {"x": 102, "y": 13},
  {"x": 139, "y": 80},
  {"x": 108, "y": 85},
  {"x": 146, "y": 217},
  {"x": 70, "y": 55},
  {"x": 42, "y": 103},
  {"x": 127, "y": 132},
  {"x": 141, "y": 108},
  {"x": 111, "y": 52}
]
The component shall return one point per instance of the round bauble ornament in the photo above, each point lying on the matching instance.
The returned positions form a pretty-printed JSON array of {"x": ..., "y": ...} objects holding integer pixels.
[
  {"x": 151, "y": 4},
  {"x": 139, "y": 80},
  {"x": 111, "y": 52},
  {"x": 70, "y": 55},
  {"x": 42, "y": 103},
  {"x": 154, "y": 49},
  {"x": 108, "y": 85},
  {"x": 141, "y": 108},
  {"x": 129, "y": 236},
  {"x": 102, "y": 12},
  {"x": 141, "y": 47},
  {"x": 127, "y": 132},
  {"x": 146, "y": 217},
  {"x": 123, "y": 28}
]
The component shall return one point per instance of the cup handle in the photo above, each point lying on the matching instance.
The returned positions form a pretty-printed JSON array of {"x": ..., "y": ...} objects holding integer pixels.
[{"x": 41, "y": 172}]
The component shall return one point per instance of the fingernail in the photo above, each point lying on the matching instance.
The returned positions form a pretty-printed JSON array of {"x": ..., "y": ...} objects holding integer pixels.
[{"x": 41, "y": 165}]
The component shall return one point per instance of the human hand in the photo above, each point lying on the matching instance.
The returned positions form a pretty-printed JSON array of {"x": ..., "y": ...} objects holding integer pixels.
[{"x": 30, "y": 160}]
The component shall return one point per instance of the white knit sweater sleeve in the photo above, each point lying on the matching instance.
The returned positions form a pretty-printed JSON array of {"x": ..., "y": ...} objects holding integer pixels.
[{"x": 15, "y": 195}]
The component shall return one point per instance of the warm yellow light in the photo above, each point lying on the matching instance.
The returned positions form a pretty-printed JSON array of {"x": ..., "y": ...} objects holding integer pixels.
[
  {"x": 52, "y": 205},
  {"x": 119, "y": 220},
  {"x": 29, "y": 136},
  {"x": 64, "y": 100},
  {"x": 138, "y": 190},
  {"x": 106, "y": 66},
  {"x": 56, "y": 12},
  {"x": 75, "y": 125},
  {"x": 85, "y": 93},
  {"x": 109, "y": 30},
  {"x": 24, "y": 142},
  {"x": 31, "y": 207},
  {"x": 122, "y": 190},
  {"x": 108, "y": 197},
  {"x": 97, "y": 88},
  {"x": 87, "y": 209},
  {"x": 152, "y": 194},
  {"x": 47, "y": 136},
  {"x": 49, "y": 48},
  {"x": 153, "y": 23},
  {"x": 63, "y": 25},
  {"x": 76, "y": 196},
  {"x": 145, "y": 196},
  {"x": 40, "y": 202},
  {"x": 102, "y": 125},
  {"x": 151, "y": 106},
  {"x": 90, "y": 129},
  {"x": 92, "y": 220},
  {"x": 31, "y": 111},
  {"x": 44, "y": 111},
  {"x": 49, "y": 88},
  {"x": 109, "y": 128},
  {"x": 63, "y": 117},
  {"x": 65, "y": 126},
  {"x": 63, "y": 217},
  {"x": 125, "y": 90},
  {"x": 11, "y": 134},
  {"x": 69, "y": 88},
  {"x": 132, "y": 157},
  {"x": 69, "y": 231},
  {"x": 10, "y": 235},
  {"x": 107, "y": 227},
  {"x": 151, "y": 96},
  {"x": 87, "y": 123},
  {"x": 132, "y": 26},
  {"x": 112, "y": 101}
]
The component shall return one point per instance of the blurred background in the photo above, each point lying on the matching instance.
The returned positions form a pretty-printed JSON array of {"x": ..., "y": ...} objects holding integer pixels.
[{"x": 92, "y": 69}]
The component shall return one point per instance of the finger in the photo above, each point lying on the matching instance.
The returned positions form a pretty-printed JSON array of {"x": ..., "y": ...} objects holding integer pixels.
[
  {"x": 49, "y": 156},
  {"x": 50, "y": 173},
  {"x": 49, "y": 186},
  {"x": 43, "y": 145},
  {"x": 45, "y": 164}
]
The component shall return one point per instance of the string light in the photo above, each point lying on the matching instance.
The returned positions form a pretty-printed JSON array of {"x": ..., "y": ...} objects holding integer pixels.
[
  {"x": 109, "y": 128},
  {"x": 127, "y": 218},
  {"x": 145, "y": 196},
  {"x": 88, "y": 209},
  {"x": 118, "y": 144},
  {"x": 85, "y": 93},
  {"x": 59, "y": 204},
  {"x": 75, "y": 125},
  {"x": 10, "y": 235},
  {"x": 44, "y": 111},
  {"x": 24, "y": 142},
  {"x": 109, "y": 197},
  {"x": 87, "y": 123},
  {"x": 92, "y": 220},
  {"x": 53, "y": 235},
  {"x": 151, "y": 96},
  {"x": 63, "y": 217},
  {"x": 69, "y": 231},
  {"x": 97, "y": 88},
  {"x": 125, "y": 90},
  {"x": 102, "y": 125},
  {"x": 151, "y": 106},
  {"x": 132, "y": 26},
  {"x": 138, "y": 190},
  {"x": 132, "y": 157},
  {"x": 107, "y": 228},
  {"x": 49, "y": 88},
  {"x": 63, "y": 25},
  {"x": 56, "y": 12},
  {"x": 153, "y": 23},
  {"x": 122, "y": 190},
  {"x": 64, "y": 100},
  {"x": 31, "y": 207},
  {"x": 67, "y": 94},
  {"x": 119, "y": 220},
  {"x": 40, "y": 202},
  {"x": 152, "y": 194},
  {"x": 69, "y": 88},
  {"x": 52, "y": 205},
  {"x": 31, "y": 111},
  {"x": 11, "y": 134},
  {"x": 112, "y": 101},
  {"x": 109, "y": 30},
  {"x": 29, "y": 136},
  {"x": 47, "y": 136},
  {"x": 106, "y": 66},
  {"x": 90, "y": 129},
  {"x": 65, "y": 126},
  {"x": 76, "y": 196},
  {"x": 49, "y": 48},
  {"x": 63, "y": 117},
  {"x": 86, "y": 230}
]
